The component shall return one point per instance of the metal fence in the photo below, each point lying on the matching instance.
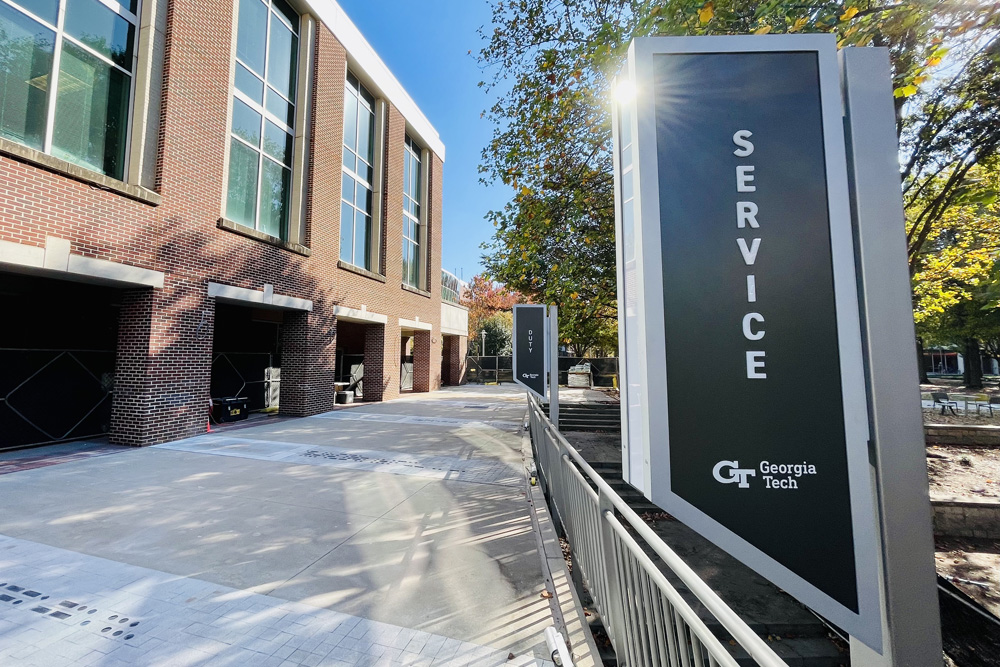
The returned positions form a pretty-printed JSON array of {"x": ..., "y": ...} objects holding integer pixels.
[{"x": 645, "y": 616}]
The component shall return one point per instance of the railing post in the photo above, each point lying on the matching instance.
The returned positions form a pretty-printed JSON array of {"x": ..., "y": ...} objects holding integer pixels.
[{"x": 614, "y": 621}]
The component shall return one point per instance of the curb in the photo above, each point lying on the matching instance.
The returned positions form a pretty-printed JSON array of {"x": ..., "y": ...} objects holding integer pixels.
[{"x": 571, "y": 621}]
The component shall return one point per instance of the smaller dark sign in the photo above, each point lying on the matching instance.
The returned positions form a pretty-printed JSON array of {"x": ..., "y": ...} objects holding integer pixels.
[{"x": 529, "y": 348}]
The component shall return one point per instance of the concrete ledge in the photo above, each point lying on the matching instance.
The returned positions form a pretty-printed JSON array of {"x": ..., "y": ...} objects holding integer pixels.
[
  {"x": 415, "y": 324},
  {"x": 242, "y": 230},
  {"x": 341, "y": 264},
  {"x": 962, "y": 434},
  {"x": 958, "y": 517},
  {"x": 78, "y": 173},
  {"x": 415, "y": 290},
  {"x": 265, "y": 298},
  {"x": 362, "y": 316},
  {"x": 56, "y": 261}
]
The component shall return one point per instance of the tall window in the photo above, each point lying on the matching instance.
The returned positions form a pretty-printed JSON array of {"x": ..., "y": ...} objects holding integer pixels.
[
  {"x": 260, "y": 154},
  {"x": 412, "y": 184},
  {"x": 66, "y": 71},
  {"x": 357, "y": 185}
]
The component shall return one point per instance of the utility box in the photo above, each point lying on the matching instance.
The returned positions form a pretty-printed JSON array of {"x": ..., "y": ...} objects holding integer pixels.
[{"x": 229, "y": 409}]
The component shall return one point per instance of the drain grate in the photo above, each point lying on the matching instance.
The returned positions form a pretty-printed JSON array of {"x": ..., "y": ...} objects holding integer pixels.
[{"x": 59, "y": 615}]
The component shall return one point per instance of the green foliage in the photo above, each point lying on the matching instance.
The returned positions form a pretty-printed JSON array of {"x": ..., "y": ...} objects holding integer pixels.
[
  {"x": 499, "y": 328},
  {"x": 554, "y": 241}
]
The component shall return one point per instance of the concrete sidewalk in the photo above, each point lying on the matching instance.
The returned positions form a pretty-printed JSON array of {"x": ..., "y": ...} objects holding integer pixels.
[{"x": 389, "y": 533}]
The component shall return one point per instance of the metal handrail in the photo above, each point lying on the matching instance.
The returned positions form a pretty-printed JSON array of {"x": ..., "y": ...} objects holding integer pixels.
[{"x": 616, "y": 604}]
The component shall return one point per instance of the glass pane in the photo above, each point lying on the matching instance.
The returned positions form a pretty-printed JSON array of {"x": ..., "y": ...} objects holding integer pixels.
[
  {"x": 347, "y": 188},
  {"x": 349, "y": 159},
  {"x": 241, "y": 205},
  {"x": 627, "y": 157},
  {"x": 287, "y": 13},
  {"x": 25, "y": 68},
  {"x": 282, "y": 58},
  {"x": 91, "y": 112},
  {"x": 350, "y": 120},
  {"x": 275, "y": 183},
  {"x": 47, "y": 10},
  {"x": 417, "y": 185},
  {"x": 102, "y": 30},
  {"x": 366, "y": 97},
  {"x": 406, "y": 177},
  {"x": 366, "y": 135},
  {"x": 278, "y": 143},
  {"x": 131, "y": 5},
  {"x": 277, "y": 105},
  {"x": 627, "y": 185},
  {"x": 406, "y": 261},
  {"x": 347, "y": 232},
  {"x": 365, "y": 172},
  {"x": 249, "y": 84},
  {"x": 361, "y": 239},
  {"x": 246, "y": 122},
  {"x": 251, "y": 34},
  {"x": 363, "y": 199}
]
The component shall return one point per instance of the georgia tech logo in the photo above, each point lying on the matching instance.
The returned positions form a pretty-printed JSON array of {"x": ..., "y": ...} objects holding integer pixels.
[{"x": 736, "y": 473}]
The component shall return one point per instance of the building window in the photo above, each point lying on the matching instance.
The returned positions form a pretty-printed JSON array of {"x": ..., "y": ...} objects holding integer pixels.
[
  {"x": 357, "y": 191},
  {"x": 412, "y": 232},
  {"x": 260, "y": 152},
  {"x": 66, "y": 69}
]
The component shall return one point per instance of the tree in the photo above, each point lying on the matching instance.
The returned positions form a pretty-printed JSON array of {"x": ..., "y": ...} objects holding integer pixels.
[
  {"x": 484, "y": 299},
  {"x": 499, "y": 328},
  {"x": 554, "y": 240}
]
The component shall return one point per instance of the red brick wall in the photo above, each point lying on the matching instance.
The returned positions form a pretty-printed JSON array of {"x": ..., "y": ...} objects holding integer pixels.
[
  {"x": 164, "y": 351},
  {"x": 458, "y": 349}
]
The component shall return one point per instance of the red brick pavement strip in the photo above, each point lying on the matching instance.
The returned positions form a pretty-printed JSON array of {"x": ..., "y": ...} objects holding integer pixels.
[{"x": 32, "y": 462}]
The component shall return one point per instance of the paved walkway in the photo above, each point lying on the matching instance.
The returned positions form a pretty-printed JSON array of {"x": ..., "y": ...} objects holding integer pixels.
[{"x": 385, "y": 534}]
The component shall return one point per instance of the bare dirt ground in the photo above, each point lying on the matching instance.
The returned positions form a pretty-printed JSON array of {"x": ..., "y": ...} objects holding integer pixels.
[
  {"x": 973, "y": 566},
  {"x": 964, "y": 472}
]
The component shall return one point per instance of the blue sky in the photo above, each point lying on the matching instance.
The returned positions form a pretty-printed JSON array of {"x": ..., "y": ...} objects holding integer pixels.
[{"x": 426, "y": 44}]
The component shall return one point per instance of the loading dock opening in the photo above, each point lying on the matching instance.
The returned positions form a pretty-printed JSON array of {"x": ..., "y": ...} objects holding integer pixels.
[
  {"x": 350, "y": 364},
  {"x": 57, "y": 351},
  {"x": 246, "y": 355}
]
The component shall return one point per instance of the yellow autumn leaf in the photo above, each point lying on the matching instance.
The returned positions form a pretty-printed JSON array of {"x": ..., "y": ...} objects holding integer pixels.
[
  {"x": 574, "y": 295},
  {"x": 932, "y": 62},
  {"x": 799, "y": 24},
  {"x": 920, "y": 79},
  {"x": 909, "y": 90},
  {"x": 762, "y": 31},
  {"x": 849, "y": 14},
  {"x": 706, "y": 13}
]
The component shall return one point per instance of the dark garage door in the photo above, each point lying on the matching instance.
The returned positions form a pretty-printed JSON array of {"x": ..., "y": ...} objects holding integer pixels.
[{"x": 57, "y": 360}]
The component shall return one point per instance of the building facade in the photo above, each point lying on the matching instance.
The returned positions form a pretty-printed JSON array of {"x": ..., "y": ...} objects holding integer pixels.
[{"x": 197, "y": 201}]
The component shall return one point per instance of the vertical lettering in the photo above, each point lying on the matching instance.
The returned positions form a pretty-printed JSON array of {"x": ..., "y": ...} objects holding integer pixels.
[
  {"x": 745, "y": 147},
  {"x": 751, "y": 289},
  {"x": 755, "y": 361},
  {"x": 744, "y": 177},
  {"x": 746, "y": 213}
]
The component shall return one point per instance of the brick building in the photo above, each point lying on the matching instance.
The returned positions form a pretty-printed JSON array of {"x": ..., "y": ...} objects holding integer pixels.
[{"x": 228, "y": 198}]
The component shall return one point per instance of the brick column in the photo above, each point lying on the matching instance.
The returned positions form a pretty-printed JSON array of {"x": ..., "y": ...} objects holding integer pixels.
[
  {"x": 308, "y": 363},
  {"x": 422, "y": 361},
  {"x": 163, "y": 364},
  {"x": 458, "y": 350},
  {"x": 381, "y": 362}
]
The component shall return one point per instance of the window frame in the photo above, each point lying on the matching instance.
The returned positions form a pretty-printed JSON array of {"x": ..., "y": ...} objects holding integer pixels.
[
  {"x": 413, "y": 150},
  {"x": 291, "y": 231},
  {"x": 376, "y": 106},
  {"x": 138, "y": 21}
]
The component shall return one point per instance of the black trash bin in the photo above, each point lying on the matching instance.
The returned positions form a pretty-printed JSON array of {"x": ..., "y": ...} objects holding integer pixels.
[{"x": 229, "y": 409}]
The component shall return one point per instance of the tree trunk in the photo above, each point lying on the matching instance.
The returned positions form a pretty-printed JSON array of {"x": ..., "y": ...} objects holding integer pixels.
[
  {"x": 973, "y": 376},
  {"x": 921, "y": 367}
]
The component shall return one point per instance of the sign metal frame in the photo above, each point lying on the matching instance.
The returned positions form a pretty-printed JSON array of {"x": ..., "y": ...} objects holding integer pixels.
[
  {"x": 646, "y": 460},
  {"x": 541, "y": 340}
]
